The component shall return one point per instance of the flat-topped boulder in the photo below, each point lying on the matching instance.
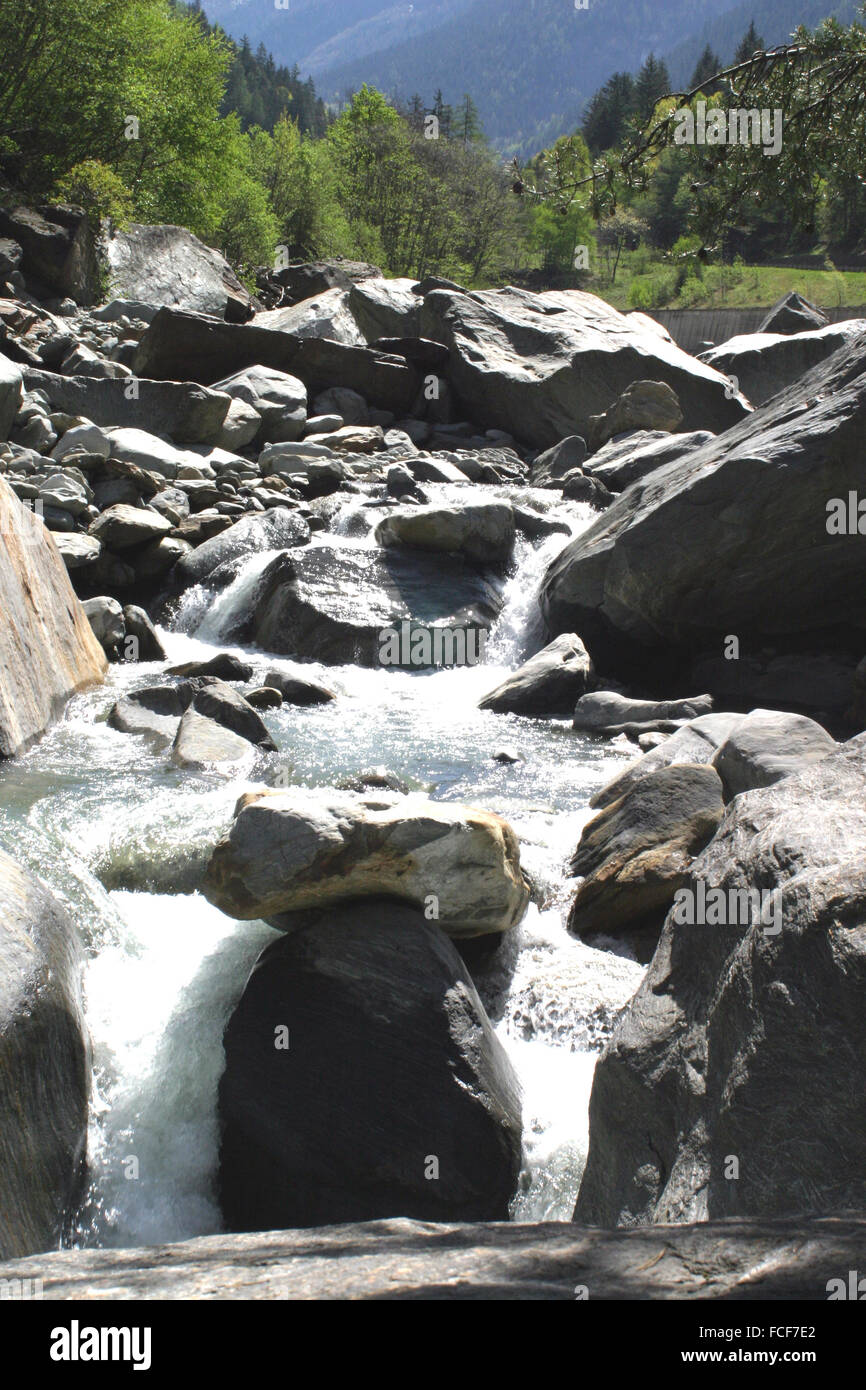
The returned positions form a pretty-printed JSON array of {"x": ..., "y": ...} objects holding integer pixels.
[
  {"x": 786, "y": 1260},
  {"x": 180, "y": 409},
  {"x": 178, "y": 346},
  {"x": 482, "y": 531},
  {"x": 122, "y": 527},
  {"x": 601, "y": 711},
  {"x": 293, "y": 851}
]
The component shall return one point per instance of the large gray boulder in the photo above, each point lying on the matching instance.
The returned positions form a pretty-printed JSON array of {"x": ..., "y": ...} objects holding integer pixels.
[
  {"x": 644, "y": 405},
  {"x": 697, "y": 741},
  {"x": 47, "y": 648},
  {"x": 539, "y": 365},
  {"x": 734, "y": 1082},
  {"x": 44, "y": 1065},
  {"x": 338, "y": 604},
  {"x": 385, "y": 308},
  {"x": 731, "y": 539},
  {"x": 165, "y": 265},
  {"x": 180, "y": 409},
  {"x": 765, "y": 363},
  {"x": 766, "y": 746},
  {"x": 288, "y": 853},
  {"x": 277, "y": 397},
  {"x": 325, "y": 315},
  {"x": 390, "y": 1094},
  {"x": 549, "y": 683}
]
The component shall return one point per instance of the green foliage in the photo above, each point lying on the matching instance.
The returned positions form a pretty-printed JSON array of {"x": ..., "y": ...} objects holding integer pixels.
[{"x": 97, "y": 189}]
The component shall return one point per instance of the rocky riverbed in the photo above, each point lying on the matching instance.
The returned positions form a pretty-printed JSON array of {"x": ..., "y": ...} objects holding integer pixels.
[{"x": 433, "y": 757}]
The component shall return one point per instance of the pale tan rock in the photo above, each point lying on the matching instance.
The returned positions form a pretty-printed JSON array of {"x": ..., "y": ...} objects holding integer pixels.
[
  {"x": 290, "y": 851},
  {"x": 47, "y": 647}
]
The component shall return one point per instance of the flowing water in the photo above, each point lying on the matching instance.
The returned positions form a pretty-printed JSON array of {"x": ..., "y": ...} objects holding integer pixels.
[{"x": 119, "y": 834}]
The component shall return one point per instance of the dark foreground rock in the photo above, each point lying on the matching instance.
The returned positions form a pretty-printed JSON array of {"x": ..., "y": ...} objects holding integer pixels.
[
  {"x": 734, "y": 1082},
  {"x": 731, "y": 1260},
  {"x": 44, "y": 1065},
  {"x": 390, "y": 1094}
]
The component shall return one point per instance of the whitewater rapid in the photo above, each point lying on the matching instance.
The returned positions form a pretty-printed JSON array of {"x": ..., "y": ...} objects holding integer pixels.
[{"x": 119, "y": 834}]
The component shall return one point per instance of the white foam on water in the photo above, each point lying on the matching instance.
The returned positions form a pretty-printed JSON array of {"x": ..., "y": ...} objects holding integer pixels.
[{"x": 157, "y": 1003}]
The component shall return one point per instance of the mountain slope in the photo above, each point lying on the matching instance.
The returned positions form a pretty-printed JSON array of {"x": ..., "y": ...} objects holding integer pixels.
[
  {"x": 319, "y": 33},
  {"x": 530, "y": 65}
]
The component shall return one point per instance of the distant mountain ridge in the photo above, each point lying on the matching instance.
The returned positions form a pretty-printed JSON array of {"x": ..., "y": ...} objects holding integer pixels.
[
  {"x": 317, "y": 34},
  {"x": 530, "y": 65}
]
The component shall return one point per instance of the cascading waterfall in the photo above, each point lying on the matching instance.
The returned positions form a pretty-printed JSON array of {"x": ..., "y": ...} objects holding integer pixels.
[{"x": 165, "y": 969}]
